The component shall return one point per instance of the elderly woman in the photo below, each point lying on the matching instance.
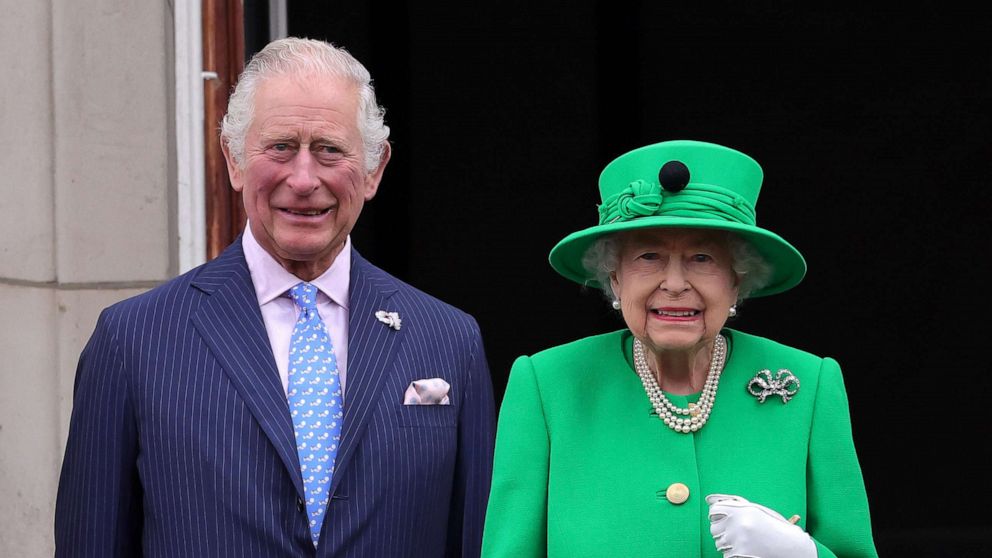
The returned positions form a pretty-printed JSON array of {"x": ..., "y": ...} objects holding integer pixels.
[{"x": 677, "y": 436}]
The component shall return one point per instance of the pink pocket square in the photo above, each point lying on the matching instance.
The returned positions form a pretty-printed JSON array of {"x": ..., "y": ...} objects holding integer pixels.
[{"x": 432, "y": 391}]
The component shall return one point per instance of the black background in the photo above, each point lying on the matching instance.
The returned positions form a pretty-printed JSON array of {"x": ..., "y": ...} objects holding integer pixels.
[{"x": 872, "y": 126}]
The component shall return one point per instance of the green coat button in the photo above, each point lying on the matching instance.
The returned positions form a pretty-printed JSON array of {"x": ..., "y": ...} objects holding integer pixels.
[{"x": 677, "y": 493}]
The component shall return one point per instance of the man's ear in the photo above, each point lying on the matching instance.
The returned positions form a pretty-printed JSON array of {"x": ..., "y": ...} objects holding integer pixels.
[
  {"x": 373, "y": 178},
  {"x": 233, "y": 170}
]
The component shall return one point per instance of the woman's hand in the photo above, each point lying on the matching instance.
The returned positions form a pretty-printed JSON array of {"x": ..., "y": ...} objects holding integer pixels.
[{"x": 743, "y": 529}]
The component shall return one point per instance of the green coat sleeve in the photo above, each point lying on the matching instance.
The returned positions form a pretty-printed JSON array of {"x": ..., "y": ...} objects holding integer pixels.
[
  {"x": 516, "y": 519},
  {"x": 838, "y": 506}
]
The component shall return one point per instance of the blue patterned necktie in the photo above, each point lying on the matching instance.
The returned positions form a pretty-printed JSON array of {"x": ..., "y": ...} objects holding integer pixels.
[{"x": 315, "y": 403}]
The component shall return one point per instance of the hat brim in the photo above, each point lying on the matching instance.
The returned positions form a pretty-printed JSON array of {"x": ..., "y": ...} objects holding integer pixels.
[{"x": 788, "y": 265}]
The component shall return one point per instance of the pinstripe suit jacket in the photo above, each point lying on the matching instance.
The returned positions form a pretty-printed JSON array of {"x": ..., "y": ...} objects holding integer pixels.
[{"x": 181, "y": 443}]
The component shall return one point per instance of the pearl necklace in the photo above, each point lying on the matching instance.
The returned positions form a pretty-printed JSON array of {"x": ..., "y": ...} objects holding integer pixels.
[{"x": 697, "y": 413}]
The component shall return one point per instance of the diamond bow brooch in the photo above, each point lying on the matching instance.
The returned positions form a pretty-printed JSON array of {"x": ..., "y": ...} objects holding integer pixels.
[{"x": 784, "y": 384}]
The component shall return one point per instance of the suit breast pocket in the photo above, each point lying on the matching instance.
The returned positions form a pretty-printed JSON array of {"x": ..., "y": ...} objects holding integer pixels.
[{"x": 428, "y": 416}]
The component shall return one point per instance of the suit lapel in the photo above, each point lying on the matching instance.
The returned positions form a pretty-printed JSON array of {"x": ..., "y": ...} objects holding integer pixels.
[
  {"x": 371, "y": 349},
  {"x": 230, "y": 323}
]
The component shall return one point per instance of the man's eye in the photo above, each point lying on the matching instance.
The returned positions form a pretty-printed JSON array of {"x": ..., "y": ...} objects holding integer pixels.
[
  {"x": 281, "y": 146},
  {"x": 327, "y": 149}
]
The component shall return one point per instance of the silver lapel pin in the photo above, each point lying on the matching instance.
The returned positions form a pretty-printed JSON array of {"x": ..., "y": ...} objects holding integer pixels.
[{"x": 391, "y": 319}]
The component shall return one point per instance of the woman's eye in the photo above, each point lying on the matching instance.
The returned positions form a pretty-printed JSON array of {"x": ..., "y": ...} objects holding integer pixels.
[
  {"x": 702, "y": 258},
  {"x": 650, "y": 256}
]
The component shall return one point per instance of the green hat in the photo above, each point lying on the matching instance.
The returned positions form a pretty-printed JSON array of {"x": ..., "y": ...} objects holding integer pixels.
[{"x": 683, "y": 183}]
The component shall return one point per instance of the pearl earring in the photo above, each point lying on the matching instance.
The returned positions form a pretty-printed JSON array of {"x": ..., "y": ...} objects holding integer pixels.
[
  {"x": 733, "y": 311},
  {"x": 616, "y": 303}
]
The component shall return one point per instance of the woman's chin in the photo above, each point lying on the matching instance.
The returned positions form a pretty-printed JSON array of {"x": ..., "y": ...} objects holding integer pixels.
[{"x": 681, "y": 337}]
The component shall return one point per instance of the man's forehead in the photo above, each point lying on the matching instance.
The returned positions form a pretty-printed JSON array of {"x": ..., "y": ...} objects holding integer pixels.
[
  {"x": 306, "y": 107},
  {"x": 296, "y": 126}
]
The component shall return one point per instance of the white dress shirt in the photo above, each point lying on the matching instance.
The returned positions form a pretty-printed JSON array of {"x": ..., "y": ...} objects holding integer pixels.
[{"x": 279, "y": 312}]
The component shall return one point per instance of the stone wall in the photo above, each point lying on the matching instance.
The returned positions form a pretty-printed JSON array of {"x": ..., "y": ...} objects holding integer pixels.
[{"x": 86, "y": 217}]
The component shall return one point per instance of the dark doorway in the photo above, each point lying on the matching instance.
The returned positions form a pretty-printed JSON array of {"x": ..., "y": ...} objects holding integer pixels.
[{"x": 873, "y": 128}]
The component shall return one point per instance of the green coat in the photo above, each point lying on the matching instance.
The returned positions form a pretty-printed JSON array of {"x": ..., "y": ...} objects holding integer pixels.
[{"x": 582, "y": 464}]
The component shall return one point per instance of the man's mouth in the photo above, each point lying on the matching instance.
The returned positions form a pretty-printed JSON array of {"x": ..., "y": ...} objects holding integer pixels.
[{"x": 307, "y": 212}]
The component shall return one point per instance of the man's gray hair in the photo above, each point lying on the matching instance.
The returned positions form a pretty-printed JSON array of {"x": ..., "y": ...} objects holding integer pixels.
[
  {"x": 753, "y": 271},
  {"x": 296, "y": 56}
]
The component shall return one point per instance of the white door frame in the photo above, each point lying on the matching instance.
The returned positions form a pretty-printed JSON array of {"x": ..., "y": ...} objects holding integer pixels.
[{"x": 190, "y": 173}]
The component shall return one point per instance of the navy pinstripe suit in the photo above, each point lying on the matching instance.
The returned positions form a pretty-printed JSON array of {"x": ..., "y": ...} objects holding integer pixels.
[{"x": 181, "y": 443}]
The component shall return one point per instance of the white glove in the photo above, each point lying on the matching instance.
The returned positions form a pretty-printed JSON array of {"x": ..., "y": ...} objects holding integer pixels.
[{"x": 743, "y": 529}]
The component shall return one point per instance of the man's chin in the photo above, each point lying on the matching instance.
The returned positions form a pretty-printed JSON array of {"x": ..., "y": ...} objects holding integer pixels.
[{"x": 307, "y": 255}]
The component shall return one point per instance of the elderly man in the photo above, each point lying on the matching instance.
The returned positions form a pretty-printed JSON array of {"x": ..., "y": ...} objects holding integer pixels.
[{"x": 287, "y": 398}]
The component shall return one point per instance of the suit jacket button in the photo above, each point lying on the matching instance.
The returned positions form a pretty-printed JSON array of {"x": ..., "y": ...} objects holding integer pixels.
[
  {"x": 677, "y": 493},
  {"x": 300, "y": 505}
]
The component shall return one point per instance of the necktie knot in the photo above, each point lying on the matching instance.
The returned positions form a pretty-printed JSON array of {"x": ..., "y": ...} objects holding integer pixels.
[{"x": 305, "y": 296}]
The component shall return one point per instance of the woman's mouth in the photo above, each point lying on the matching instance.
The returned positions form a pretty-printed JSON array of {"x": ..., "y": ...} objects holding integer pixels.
[{"x": 676, "y": 313}]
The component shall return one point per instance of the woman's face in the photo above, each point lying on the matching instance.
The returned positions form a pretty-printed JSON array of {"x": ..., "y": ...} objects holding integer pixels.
[{"x": 675, "y": 286}]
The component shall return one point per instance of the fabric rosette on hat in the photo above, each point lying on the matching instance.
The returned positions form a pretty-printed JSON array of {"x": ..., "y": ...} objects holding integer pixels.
[{"x": 682, "y": 184}]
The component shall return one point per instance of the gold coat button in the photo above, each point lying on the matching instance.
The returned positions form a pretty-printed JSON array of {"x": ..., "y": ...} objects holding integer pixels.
[{"x": 677, "y": 493}]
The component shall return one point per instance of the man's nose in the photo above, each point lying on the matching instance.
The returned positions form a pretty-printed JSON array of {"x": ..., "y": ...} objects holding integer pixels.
[{"x": 303, "y": 178}]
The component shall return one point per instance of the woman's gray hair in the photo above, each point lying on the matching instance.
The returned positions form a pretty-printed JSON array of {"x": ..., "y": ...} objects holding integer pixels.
[
  {"x": 602, "y": 258},
  {"x": 295, "y": 56}
]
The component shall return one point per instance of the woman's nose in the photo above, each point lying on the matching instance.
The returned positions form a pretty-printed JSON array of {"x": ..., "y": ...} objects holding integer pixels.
[{"x": 675, "y": 280}]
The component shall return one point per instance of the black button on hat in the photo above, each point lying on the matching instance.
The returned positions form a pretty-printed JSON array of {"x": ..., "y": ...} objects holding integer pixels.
[{"x": 673, "y": 176}]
